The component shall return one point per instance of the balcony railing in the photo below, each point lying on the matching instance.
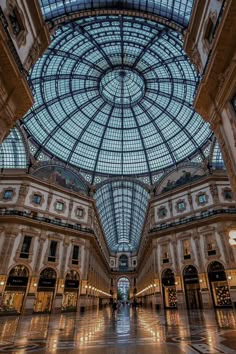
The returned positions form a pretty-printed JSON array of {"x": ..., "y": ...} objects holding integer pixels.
[
  {"x": 29, "y": 215},
  {"x": 206, "y": 215}
]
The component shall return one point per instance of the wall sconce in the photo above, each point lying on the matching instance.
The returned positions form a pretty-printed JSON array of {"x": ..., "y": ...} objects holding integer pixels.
[
  {"x": 62, "y": 285},
  {"x": 35, "y": 285},
  {"x": 2, "y": 283},
  {"x": 176, "y": 283},
  {"x": 200, "y": 280},
  {"x": 229, "y": 277}
]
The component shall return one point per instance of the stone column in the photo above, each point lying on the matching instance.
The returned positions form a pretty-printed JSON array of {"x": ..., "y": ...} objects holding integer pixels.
[
  {"x": 199, "y": 259},
  {"x": 10, "y": 236},
  {"x": 50, "y": 195},
  {"x": 65, "y": 253},
  {"x": 24, "y": 188},
  {"x": 214, "y": 193},
  {"x": 41, "y": 242},
  {"x": 228, "y": 156}
]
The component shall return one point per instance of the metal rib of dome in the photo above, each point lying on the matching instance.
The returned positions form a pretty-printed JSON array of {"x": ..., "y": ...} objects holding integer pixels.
[
  {"x": 178, "y": 11},
  {"x": 122, "y": 206},
  {"x": 113, "y": 95}
]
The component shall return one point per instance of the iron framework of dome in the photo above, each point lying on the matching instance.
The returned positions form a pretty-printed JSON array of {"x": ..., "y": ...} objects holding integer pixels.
[
  {"x": 113, "y": 96},
  {"x": 177, "y": 11}
]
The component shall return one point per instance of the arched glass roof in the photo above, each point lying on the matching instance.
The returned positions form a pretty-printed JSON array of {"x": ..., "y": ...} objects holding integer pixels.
[
  {"x": 113, "y": 95},
  {"x": 178, "y": 11},
  {"x": 122, "y": 206},
  {"x": 12, "y": 151},
  {"x": 217, "y": 158}
]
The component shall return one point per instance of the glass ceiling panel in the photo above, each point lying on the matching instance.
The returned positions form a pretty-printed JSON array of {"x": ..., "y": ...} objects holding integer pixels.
[
  {"x": 122, "y": 208},
  {"x": 217, "y": 159},
  {"x": 12, "y": 151},
  {"x": 119, "y": 103},
  {"x": 178, "y": 11}
]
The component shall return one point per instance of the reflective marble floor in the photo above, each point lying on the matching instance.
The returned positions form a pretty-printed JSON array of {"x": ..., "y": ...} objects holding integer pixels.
[{"x": 137, "y": 331}]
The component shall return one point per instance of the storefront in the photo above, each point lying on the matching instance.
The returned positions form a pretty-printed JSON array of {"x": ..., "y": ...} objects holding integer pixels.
[
  {"x": 15, "y": 290},
  {"x": 70, "y": 296},
  {"x": 219, "y": 285},
  {"x": 192, "y": 288},
  {"x": 169, "y": 289},
  {"x": 45, "y": 291}
]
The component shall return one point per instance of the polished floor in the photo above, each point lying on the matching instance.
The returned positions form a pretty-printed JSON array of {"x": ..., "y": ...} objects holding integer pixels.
[{"x": 137, "y": 331}]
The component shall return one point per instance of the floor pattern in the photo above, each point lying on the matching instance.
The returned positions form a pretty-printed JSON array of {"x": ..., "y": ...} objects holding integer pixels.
[{"x": 126, "y": 331}]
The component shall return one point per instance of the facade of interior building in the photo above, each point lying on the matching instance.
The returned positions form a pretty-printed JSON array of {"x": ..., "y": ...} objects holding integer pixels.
[{"x": 117, "y": 155}]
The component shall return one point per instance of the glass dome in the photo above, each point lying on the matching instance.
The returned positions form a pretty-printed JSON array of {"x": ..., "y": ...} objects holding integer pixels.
[
  {"x": 113, "y": 95},
  {"x": 178, "y": 11}
]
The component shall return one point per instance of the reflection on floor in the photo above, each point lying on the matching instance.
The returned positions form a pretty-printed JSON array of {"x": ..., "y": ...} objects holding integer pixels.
[{"x": 126, "y": 331}]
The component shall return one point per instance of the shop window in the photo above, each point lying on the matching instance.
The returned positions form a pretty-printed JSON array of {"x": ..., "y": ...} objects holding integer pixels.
[
  {"x": 36, "y": 199},
  {"x": 75, "y": 255},
  {"x": 80, "y": 212},
  {"x": 24, "y": 253},
  {"x": 52, "y": 251},
  {"x": 8, "y": 194}
]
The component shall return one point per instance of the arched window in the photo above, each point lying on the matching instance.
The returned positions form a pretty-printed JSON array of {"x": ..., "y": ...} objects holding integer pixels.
[{"x": 123, "y": 262}]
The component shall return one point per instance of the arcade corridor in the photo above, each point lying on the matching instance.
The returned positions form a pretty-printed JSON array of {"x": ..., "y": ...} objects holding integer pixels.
[{"x": 127, "y": 331}]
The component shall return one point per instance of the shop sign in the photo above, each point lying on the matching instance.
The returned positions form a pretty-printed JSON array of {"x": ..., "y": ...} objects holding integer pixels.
[
  {"x": 47, "y": 282},
  {"x": 17, "y": 281},
  {"x": 71, "y": 283}
]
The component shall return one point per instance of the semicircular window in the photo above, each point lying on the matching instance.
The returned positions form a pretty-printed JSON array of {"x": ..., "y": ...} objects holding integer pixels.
[
  {"x": 61, "y": 176},
  {"x": 12, "y": 151},
  {"x": 114, "y": 95}
]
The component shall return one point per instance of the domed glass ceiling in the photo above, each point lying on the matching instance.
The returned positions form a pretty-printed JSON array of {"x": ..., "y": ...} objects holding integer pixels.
[
  {"x": 178, "y": 11},
  {"x": 113, "y": 95}
]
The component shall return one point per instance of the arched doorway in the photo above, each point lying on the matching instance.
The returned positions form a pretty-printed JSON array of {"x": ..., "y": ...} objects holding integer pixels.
[
  {"x": 45, "y": 290},
  {"x": 219, "y": 285},
  {"x": 123, "y": 289},
  {"x": 192, "y": 288},
  {"x": 169, "y": 289},
  {"x": 15, "y": 290},
  {"x": 70, "y": 296},
  {"x": 123, "y": 262}
]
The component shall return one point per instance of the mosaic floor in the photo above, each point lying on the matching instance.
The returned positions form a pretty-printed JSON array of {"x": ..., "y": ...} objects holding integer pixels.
[{"x": 137, "y": 331}]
